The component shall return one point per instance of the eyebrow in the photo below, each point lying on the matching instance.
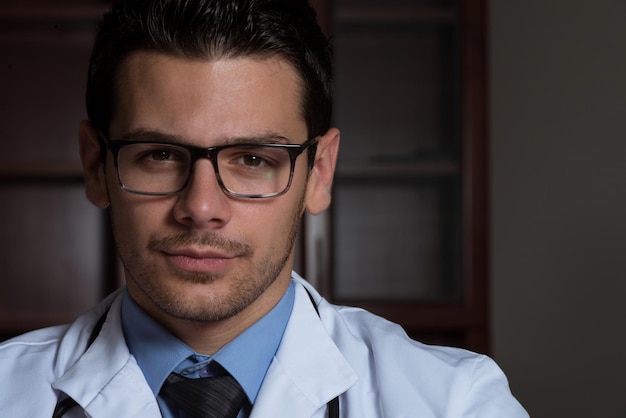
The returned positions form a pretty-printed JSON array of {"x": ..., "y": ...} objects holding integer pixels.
[{"x": 148, "y": 135}]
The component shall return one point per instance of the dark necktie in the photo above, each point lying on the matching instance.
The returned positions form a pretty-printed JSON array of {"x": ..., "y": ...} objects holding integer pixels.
[{"x": 206, "y": 397}]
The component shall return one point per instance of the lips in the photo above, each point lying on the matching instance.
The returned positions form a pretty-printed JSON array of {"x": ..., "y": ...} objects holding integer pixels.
[
  {"x": 202, "y": 261},
  {"x": 198, "y": 253},
  {"x": 208, "y": 252}
]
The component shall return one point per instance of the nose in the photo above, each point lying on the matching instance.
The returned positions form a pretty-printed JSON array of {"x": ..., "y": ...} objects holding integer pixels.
[{"x": 203, "y": 204}]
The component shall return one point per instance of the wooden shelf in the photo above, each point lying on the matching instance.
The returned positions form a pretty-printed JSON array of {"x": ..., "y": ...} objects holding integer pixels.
[
  {"x": 59, "y": 25},
  {"x": 447, "y": 216},
  {"x": 68, "y": 12},
  {"x": 384, "y": 16},
  {"x": 15, "y": 324},
  {"x": 393, "y": 170},
  {"x": 424, "y": 316},
  {"x": 41, "y": 171}
]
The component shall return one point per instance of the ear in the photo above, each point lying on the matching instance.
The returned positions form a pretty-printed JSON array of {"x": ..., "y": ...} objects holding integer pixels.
[
  {"x": 93, "y": 166},
  {"x": 319, "y": 188}
]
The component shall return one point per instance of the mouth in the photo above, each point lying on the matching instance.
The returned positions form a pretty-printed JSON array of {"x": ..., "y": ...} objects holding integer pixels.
[
  {"x": 208, "y": 253},
  {"x": 201, "y": 261}
]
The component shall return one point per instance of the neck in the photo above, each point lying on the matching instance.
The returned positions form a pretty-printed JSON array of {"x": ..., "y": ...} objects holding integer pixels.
[{"x": 208, "y": 337}]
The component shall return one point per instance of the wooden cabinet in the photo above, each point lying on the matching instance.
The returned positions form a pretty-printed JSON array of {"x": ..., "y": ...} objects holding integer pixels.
[
  {"x": 55, "y": 254},
  {"x": 406, "y": 236}
]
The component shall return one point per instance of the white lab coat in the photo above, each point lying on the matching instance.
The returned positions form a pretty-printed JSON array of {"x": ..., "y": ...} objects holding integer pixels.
[{"x": 377, "y": 371}]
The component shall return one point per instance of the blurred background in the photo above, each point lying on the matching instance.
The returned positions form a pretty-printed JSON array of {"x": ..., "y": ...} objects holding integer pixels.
[
  {"x": 478, "y": 199},
  {"x": 557, "y": 142}
]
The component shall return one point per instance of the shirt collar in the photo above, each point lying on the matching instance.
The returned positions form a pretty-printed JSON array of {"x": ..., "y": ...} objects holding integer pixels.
[{"x": 246, "y": 358}]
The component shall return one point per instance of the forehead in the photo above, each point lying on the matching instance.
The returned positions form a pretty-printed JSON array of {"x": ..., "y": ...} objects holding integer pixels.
[{"x": 191, "y": 97}]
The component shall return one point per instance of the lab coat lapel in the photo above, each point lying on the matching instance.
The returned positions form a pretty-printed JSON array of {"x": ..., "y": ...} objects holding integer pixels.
[
  {"x": 106, "y": 380},
  {"x": 307, "y": 371}
]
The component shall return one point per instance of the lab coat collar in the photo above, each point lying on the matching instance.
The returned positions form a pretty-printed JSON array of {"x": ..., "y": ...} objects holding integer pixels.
[
  {"x": 106, "y": 380},
  {"x": 308, "y": 370}
]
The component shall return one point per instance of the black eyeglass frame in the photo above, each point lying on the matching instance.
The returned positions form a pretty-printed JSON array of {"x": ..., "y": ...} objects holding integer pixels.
[{"x": 210, "y": 153}]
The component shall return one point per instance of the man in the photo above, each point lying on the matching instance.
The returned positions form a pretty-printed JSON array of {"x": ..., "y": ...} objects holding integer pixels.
[{"x": 209, "y": 136}]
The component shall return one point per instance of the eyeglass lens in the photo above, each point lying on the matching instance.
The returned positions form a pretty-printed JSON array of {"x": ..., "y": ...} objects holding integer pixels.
[{"x": 243, "y": 170}]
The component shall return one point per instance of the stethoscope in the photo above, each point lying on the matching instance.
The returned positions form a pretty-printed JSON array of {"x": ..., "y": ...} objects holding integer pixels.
[{"x": 66, "y": 404}]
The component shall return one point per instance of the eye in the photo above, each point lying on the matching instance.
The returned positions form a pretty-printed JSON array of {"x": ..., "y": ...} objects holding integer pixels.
[
  {"x": 162, "y": 155},
  {"x": 252, "y": 160},
  {"x": 150, "y": 153}
]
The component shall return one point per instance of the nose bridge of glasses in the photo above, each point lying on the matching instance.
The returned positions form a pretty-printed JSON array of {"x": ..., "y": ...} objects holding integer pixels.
[{"x": 198, "y": 153}]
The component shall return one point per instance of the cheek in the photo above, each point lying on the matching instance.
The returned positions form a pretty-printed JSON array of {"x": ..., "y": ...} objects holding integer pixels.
[
  {"x": 135, "y": 218},
  {"x": 124, "y": 225},
  {"x": 270, "y": 222}
]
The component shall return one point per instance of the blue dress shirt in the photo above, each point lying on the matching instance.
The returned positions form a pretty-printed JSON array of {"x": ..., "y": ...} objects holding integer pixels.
[{"x": 246, "y": 358}]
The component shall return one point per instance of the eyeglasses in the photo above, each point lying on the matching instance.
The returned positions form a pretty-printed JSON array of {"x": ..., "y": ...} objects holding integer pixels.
[{"x": 242, "y": 170}]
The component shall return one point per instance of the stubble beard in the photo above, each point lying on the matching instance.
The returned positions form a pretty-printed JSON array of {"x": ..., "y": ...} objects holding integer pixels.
[{"x": 243, "y": 290}]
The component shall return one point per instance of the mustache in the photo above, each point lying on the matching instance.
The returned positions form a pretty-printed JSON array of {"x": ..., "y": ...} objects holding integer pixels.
[{"x": 210, "y": 239}]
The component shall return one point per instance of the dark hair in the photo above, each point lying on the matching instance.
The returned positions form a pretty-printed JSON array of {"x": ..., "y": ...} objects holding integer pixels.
[{"x": 212, "y": 29}]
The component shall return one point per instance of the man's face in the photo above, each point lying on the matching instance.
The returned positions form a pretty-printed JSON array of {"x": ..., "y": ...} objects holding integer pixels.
[{"x": 200, "y": 254}]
